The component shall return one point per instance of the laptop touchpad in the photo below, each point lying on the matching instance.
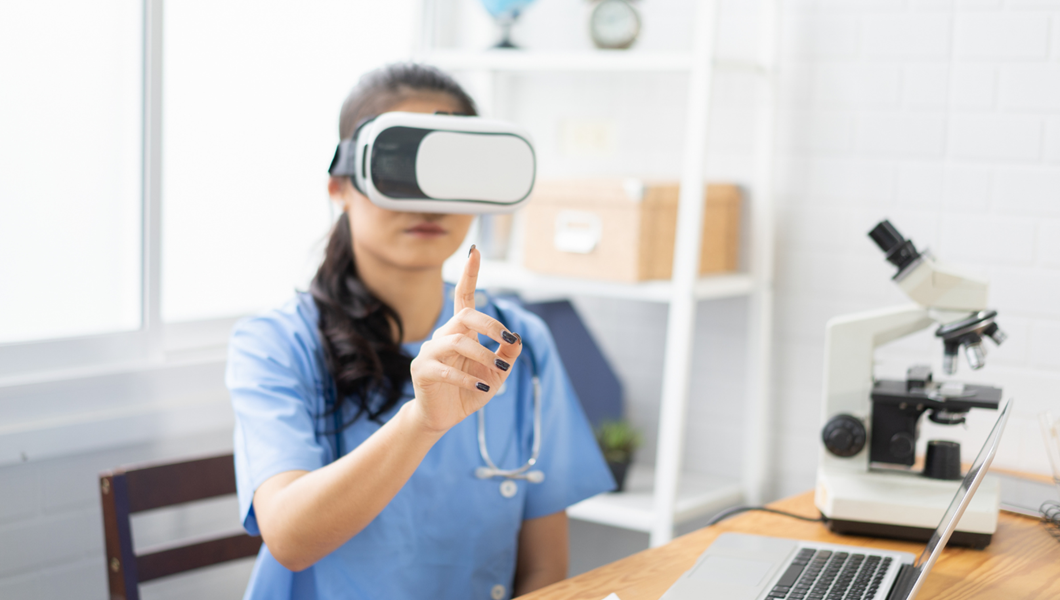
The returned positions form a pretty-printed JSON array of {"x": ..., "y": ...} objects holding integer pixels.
[{"x": 739, "y": 571}]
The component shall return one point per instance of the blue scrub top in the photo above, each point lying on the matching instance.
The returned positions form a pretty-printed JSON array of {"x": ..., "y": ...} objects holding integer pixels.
[{"x": 446, "y": 534}]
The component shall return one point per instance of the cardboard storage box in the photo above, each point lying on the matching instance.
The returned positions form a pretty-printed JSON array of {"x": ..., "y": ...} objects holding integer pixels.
[{"x": 623, "y": 230}]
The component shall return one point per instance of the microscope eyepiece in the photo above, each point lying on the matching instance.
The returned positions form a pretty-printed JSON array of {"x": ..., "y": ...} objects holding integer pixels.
[
  {"x": 900, "y": 251},
  {"x": 886, "y": 236}
]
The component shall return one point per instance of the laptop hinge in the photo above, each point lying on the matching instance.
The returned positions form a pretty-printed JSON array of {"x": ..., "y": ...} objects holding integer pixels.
[{"x": 903, "y": 584}]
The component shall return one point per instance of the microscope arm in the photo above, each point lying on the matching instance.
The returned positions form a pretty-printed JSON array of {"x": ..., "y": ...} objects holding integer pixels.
[{"x": 850, "y": 343}]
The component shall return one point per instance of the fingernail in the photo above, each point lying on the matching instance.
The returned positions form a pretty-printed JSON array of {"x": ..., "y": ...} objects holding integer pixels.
[
  {"x": 482, "y": 386},
  {"x": 519, "y": 339},
  {"x": 508, "y": 337},
  {"x": 502, "y": 365},
  {"x": 470, "y": 250}
]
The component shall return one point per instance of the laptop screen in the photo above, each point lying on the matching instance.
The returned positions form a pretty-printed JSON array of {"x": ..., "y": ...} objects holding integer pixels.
[{"x": 961, "y": 498}]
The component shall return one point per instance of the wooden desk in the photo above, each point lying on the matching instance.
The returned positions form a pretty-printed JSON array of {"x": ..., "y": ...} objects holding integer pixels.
[{"x": 1023, "y": 561}]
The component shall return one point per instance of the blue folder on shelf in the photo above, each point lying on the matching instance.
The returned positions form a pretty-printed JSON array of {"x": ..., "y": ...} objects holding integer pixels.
[{"x": 595, "y": 382}]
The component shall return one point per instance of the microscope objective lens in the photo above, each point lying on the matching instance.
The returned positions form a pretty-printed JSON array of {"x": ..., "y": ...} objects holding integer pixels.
[
  {"x": 976, "y": 355},
  {"x": 949, "y": 362}
]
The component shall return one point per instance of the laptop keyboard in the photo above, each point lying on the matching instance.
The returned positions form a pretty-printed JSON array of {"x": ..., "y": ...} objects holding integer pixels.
[{"x": 827, "y": 575}]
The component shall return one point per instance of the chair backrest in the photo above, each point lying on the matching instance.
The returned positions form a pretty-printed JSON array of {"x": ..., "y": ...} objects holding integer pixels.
[{"x": 129, "y": 490}]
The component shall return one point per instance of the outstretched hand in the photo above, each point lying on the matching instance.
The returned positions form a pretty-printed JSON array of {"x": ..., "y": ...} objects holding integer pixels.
[{"x": 454, "y": 375}]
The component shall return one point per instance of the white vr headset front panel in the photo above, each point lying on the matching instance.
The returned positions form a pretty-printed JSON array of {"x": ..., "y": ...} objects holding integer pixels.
[
  {"x": 475, "y": 166},
  {"x": 417, "y": 162}
]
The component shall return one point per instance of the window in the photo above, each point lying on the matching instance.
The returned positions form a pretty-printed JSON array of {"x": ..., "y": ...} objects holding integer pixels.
[
  {"x": 70, "y": 168},
  {"x": 248, "y": 115},
  {"x": 251, "y": 103}
]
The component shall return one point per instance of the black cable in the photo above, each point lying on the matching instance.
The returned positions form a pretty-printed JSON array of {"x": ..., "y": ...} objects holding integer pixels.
[
  {"x": 1050, "y": 510},
  {"x": 725, "y": 514}
]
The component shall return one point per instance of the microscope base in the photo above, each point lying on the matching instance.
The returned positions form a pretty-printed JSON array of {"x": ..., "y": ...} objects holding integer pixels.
[
  {"x": 977, "y": 541},
  {"x": 903, "y": 505}
]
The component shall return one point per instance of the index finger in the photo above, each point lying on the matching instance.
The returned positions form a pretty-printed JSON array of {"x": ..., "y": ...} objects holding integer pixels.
[{"x": 464, "y": 293}]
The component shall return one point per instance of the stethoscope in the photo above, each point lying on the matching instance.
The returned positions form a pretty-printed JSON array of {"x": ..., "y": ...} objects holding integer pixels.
[
  {"x": 491, "y": 470},
  {"x": 524, "y": 472}
]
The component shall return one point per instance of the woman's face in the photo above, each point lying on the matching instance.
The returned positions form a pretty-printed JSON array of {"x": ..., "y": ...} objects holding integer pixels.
[{"x": 404, "y": 240}]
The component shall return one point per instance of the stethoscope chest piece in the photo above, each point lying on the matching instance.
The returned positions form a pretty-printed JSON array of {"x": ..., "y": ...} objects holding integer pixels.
[{"x": 509, "y": 488}]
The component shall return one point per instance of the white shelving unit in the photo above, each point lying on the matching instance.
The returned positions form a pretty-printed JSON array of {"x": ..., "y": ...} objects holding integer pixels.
[{"x": 658, "y": 498}]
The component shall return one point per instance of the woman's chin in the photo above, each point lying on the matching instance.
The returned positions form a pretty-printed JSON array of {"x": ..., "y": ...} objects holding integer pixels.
[{"x": 424, "y": 254}]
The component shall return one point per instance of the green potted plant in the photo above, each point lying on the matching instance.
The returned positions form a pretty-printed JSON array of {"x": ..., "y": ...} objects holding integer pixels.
[{"x": 618, "y": 441}]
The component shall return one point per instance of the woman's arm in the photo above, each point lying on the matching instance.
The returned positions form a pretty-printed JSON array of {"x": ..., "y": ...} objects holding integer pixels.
[
  {"x": 543, "y": 553},
  {"x": 303, "y": 516}
]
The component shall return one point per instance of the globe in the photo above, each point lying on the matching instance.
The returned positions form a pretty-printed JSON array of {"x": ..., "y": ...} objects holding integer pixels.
[{"x": 505, "y": 12}]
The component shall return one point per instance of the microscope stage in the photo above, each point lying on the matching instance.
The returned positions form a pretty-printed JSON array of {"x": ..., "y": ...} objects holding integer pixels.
[{"x": 903, "y": 505}]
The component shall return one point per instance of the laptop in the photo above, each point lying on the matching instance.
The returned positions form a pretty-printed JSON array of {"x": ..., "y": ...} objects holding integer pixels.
[{"x": 752, "y": 567}]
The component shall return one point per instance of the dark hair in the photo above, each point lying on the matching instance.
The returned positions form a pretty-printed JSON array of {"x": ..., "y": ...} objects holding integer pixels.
[{"x": 357, "y": 329}]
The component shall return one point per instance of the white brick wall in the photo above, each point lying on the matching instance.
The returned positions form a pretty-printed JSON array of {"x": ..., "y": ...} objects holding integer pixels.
[
  {"x": 998, "y": 35},
  {"x": 973, "y": 86},
  {"x": 901, "y": 134},
  {"x": 925, "y": 86},
  {"x": 814, "y": 36},
  {"x": 1049, "y": 242},
  {"x": 967, "y": 188},
  {"x": 1031, "y": 87},
  {"x": 1052, "y": 138},
  {"x": 906, "y": 36},
  {"x": 1027, "y": 190},
  {"x": 19, "y": 493},
  {"x": 1044, "y": 350},
  {"x": 921, "y": 185},
  {"x": 989, "y": 239},
  {"x": 994, "y": 137},
  {"x": 51, "y": 525}
]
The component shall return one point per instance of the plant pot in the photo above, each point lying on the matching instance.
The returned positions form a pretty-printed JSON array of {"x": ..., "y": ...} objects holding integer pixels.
[{"x": 619, "y": 471}]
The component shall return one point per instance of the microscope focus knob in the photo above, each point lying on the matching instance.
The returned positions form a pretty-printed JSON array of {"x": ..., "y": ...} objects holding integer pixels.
[
  {"x": 844, "y": 435},
  {"x": 902, "y": 445}
]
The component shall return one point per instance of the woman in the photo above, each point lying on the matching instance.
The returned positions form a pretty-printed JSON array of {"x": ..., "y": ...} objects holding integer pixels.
[{"x": 356, "y": 444}]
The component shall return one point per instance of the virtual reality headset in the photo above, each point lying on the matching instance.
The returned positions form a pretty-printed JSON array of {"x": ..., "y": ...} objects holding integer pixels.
[{"x": 417, "y": 162}]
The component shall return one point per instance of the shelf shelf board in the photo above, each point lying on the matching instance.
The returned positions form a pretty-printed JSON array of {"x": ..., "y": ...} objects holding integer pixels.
[
  {"x": 583, "y": 60},
  {"x": 579, "y": 60},
  {"x": 506, "y": 276},
  {"x": 698, "y": 496}
]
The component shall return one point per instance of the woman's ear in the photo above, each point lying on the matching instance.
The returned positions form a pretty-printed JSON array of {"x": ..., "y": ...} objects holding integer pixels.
[{"x": 340, "y": 188}]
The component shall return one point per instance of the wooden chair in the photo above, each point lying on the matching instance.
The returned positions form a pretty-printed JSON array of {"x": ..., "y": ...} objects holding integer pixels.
[{"x": 129, "y": 490}]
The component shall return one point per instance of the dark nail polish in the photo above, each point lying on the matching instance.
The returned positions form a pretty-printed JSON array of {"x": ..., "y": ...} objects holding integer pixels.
[
  {"x": 471, "y": 249},
  {"x": 482, "y": 386},
  {"x": 502, "y": 365},
  {"x": 518, "y": 339},
  {"x": 508, "y": 337}
]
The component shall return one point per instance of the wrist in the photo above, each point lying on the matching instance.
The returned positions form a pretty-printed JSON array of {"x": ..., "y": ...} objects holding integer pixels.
[{"x": 412, "y": 415}]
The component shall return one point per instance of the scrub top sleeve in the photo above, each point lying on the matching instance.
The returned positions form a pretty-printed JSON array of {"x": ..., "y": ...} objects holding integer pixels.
[
  {"x": 570, "y": 458},
  {"x": 273, "y": 390}
]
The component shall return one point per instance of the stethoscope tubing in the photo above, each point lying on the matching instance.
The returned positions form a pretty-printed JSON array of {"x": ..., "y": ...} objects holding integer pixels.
[{"x": 491, "y": 470}]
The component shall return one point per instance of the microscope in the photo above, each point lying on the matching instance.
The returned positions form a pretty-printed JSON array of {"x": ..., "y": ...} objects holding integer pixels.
[{"x": 869, "y": 481}]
